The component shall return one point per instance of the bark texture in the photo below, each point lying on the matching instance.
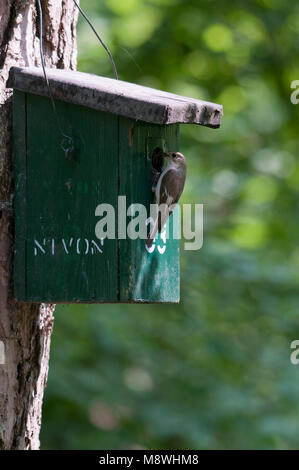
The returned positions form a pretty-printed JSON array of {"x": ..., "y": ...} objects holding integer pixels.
[{"x": 25, "y": 329}]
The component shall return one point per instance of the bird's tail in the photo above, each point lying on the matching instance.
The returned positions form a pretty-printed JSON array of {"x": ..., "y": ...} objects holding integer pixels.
[
  {"x": 152, "y": 234},
  {"x": 162, "y": 216}
]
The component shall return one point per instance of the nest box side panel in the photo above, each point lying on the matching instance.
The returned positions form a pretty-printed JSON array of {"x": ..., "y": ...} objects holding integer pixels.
[
  {"x": 146, "y": 276},
  {"x": 19, "y": 163},
  {"x": 64, "y": 261}
]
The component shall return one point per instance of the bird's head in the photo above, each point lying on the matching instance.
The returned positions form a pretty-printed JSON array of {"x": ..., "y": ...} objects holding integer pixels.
[{"x": 176, "y": 158}]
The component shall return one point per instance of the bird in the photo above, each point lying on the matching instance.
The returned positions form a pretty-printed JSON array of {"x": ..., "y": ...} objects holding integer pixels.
[{"x": 170, "y": 186}]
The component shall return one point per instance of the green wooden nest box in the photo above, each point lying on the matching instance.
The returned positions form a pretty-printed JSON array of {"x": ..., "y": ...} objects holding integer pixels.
[{"x": 115, "y": 128}]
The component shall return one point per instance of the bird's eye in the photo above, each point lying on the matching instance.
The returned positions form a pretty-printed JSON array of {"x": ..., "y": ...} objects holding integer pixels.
[{"x": 174, "y": 155}]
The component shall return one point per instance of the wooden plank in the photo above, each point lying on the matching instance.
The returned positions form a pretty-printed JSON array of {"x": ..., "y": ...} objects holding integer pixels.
[
  {"x": 65, "y": 261},
  {"x": 144, "y": 276},
  {"x": 117, "y": 97},
  {"x": 19, "y": 164}
]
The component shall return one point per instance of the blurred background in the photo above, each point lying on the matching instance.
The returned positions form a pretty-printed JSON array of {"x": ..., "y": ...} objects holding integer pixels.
[{"x": 213, "y": 372}]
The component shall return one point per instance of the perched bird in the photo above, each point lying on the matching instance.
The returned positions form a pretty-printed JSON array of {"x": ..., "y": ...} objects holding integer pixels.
[{"x": 169, "y": 188}]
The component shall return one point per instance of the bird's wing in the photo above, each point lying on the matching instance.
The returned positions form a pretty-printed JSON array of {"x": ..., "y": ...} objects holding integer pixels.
[
  {"x": 169, "y": 195},
  {"x": 169, "y": 189}
]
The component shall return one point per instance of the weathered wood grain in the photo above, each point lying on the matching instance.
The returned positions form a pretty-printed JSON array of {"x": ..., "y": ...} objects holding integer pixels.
[{"x": 117, "y": 97}]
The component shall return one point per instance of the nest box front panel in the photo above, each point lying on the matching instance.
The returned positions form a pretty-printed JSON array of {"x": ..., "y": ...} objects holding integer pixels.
[
  {"x": 57, "y": 256},
  {"x": 147, "y": 275}
]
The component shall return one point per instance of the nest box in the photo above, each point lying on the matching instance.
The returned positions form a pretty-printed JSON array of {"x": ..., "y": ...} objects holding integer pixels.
[{"x": 116, "y": 128}]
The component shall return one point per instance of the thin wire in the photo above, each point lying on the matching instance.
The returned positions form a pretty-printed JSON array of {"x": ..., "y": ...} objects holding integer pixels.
[
  {"x": 131, "y": 57},
  {"x": 67, "y": 146},
  {"x": 99, "y": 38}
]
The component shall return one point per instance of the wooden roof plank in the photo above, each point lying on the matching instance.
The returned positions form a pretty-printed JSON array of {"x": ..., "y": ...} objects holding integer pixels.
[{"x": 116, "y": 97}]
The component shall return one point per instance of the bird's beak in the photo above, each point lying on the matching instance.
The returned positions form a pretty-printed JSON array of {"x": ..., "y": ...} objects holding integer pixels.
[{"x": 166, "y": 155}]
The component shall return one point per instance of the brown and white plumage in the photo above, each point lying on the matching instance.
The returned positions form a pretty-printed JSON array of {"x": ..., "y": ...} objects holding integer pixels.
[{"x": 168, "y": 191}]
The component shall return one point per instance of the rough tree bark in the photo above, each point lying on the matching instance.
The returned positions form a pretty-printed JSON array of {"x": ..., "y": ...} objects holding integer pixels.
[{"x": 25, "y": 329}]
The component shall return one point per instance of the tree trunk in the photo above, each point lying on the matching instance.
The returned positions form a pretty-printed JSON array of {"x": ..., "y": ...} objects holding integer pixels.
[{"x": 25, "y": 329}]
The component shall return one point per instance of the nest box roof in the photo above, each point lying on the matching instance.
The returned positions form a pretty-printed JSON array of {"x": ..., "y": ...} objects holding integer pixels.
[{"x": 116, "y": 97}]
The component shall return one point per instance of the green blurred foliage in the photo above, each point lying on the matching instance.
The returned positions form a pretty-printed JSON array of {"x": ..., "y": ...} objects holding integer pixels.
[{"x": 213, "y": 372}]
